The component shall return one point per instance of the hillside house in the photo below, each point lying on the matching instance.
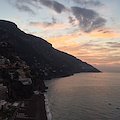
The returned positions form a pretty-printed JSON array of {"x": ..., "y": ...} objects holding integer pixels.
[
  {"x": 25, "y": 81},
  {"x": 23, "y": 78},
  {"x": 4, "y": 62}
]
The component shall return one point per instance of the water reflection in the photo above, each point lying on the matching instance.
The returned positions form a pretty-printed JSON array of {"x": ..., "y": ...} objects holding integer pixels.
[{"x": 85, "y": 96}]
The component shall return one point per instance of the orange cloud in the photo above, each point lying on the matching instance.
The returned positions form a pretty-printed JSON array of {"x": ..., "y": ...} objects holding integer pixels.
[
  {"x": 92, "y": 53},
  {"x": 58, "y": 39},
  {"x": 48, "y": 27},
  {"x": 73, "y": 49},
  {"x": 101, "y": 60},
  {"x": 103, "y": 33},
  {"x": 91, "y": 56}
]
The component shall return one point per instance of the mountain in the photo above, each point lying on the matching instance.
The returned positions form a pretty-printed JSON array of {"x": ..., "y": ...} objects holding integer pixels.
[{"x": 40, "y": 55}]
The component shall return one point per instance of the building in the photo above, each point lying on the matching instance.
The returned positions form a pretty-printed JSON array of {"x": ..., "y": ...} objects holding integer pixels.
[{"x": 3, "y": 92}]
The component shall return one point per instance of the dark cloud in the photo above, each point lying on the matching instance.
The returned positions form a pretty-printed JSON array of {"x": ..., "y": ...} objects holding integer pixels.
[
  {"x": 26, "y": 1},
  {"x": 106, "y": 31},
  {"x": 45, "y": 24},
  {"x": 52, "y": 4},
  {"x": 101, "y": 30},
  {"x": 33, "y": 3},
  {"x": 71, "y": 20},
  {"x": 88, "y": 2},
  {"x": 89, "y": 20},
  {"x": 24, "y": 8},
  {"x": 114, "y": 44},
  {"x": 89, "y": 46},
  {"x": 39, "y": 24},
  {"x": 58, "y": 7},
  {"x": 54, "y": 21}
]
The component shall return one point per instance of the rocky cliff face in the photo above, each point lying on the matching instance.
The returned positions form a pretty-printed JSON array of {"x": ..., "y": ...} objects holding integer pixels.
[{"x": 40, "y": 55}]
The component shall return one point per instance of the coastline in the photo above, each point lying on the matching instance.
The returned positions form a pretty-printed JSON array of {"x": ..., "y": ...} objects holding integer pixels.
[{"x": 47, "y": 108}]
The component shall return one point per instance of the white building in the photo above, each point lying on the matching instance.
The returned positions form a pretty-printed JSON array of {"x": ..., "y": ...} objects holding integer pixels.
[{"x": 25, "y": 81}]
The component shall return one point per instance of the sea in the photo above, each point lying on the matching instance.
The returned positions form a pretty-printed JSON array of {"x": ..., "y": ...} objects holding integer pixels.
[{"x": 85, "y": 96}]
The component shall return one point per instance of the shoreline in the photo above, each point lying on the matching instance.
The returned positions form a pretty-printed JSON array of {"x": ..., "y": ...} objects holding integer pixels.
[{"x": 47, "y": 108}]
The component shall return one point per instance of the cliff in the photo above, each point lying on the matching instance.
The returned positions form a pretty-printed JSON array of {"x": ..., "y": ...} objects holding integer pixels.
[{"x": 40, "y": 55}]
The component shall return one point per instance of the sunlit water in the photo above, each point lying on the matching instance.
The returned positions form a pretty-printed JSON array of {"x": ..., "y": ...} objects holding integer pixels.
[{"x": 85, "y": 96}]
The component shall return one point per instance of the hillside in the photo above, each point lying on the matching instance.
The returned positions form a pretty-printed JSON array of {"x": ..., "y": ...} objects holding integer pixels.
[{"x": 40, "y": 55}]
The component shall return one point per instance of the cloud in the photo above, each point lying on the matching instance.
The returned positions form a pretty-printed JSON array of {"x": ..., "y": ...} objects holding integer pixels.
[
  {"x": 64, "y": 39},
  {"x": 89, "y": 20},
  {"x": 71, "y": 20},
  {"x": 47, "y": 25},
  {"x": 44, "y": 24},
  {"x": 97, "y": 48},
  {"x": 30, "y": 2},
  {"x": 101, "y": 60},
  {"x": 74, "y": 49},
  {"x": 33, "y": 3},
  {"x": 24, "y": 8},
  {"x": 114, "y": 44},
  {"x": 56, "y": 6},
  {"x": 103, "y": 33},
  {"x": 93, "y": 52},
  {"x": 88, "y": 2},
  {"x": 52, "y": 4}
]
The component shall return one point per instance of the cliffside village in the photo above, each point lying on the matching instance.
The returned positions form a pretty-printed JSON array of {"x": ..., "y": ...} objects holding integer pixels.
[
  {"x": 17, "y": 71},
  {"x": 19, "y": 87}
]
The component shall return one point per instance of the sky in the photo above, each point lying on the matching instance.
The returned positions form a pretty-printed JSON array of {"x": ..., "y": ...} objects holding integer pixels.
[{"x": 87, "y": 29}]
